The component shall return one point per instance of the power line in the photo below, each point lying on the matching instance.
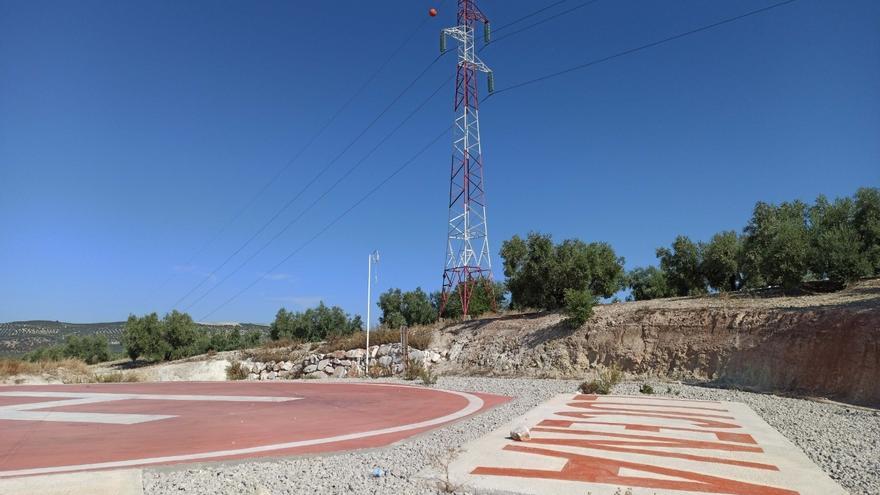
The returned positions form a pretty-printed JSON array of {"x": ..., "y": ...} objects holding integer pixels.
[
  {"x": 510, "y": 88},
  {"x": 542, "y": 21},
  {"x": 306, "y": 146},
  {"x": 333, "y": 222},
  {"x": 322, "y": 196},
  {"x": 643, "y": 47},
  {"x": 302, "y": 150},
  {"x": 542, "y": 9},
  {"x": 312, "y": 181}
]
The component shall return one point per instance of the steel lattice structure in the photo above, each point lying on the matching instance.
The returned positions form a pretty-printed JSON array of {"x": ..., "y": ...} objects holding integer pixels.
[{"x": 467, "y": 253}]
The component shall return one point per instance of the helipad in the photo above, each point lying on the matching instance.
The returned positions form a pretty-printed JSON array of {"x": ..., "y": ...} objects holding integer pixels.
[
  {"x": 68, "y": 428},
  {"x": 602, "y": 444}
]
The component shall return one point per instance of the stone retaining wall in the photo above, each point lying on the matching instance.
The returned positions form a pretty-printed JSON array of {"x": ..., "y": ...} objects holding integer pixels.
[{"x": 388, "y": 358}]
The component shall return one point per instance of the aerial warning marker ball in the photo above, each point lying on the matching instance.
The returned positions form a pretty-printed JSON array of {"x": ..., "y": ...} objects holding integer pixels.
[{"x": 432, "y": 12}]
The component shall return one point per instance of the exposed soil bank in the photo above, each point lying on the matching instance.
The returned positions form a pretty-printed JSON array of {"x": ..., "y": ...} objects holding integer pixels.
[{"x": 825, "y": 345}]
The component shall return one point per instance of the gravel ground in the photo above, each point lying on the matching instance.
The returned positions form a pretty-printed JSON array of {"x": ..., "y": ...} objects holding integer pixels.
[{"x": 844, "y": 441}]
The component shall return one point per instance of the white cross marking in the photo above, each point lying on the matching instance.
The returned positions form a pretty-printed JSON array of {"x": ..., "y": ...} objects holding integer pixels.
[{"x": 31, "y": 411}]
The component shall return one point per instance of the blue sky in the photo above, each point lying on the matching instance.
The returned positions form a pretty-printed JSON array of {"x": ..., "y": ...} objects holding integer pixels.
[{"x": 131, "y": 132}]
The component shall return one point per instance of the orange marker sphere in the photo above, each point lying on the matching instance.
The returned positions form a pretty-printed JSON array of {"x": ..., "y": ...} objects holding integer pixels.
[{"x": 432, "y": 12}]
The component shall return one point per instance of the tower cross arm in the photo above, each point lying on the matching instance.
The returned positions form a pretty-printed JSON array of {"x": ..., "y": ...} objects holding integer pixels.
[
  {"x": 459, "y": 33},
  {"x": 479, "y": 65},
  {"x": 464, "y": 35}
]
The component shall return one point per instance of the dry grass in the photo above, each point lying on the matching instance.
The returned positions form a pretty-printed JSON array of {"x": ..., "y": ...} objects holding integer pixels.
[
  {"x": 278, "y": 350},
  {"x": 285, "y": 342},
  {"x": 378, "y": 371},
  {"x": 419, "y": 338},
  {"x": 413, "y": 370},
  {"x": 13, "y": 367},
  {"x": 65, "y": 370},
  {"x": 428, "y": 376},
  {"x": 235, "y": 371},
  {"x": 358, "y": 340},
  {"x": 266, "y": 355},
  {"x": 444, "y": 482},
  {"x": 117, "y": 377}
]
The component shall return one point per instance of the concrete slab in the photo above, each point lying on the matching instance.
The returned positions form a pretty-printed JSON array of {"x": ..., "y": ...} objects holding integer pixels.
[
  {"x": 651, "y": 445},
  {"x": 119, "y": 482}
]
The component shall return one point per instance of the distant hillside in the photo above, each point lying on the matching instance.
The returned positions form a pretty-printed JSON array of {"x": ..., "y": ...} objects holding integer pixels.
[{"x": 19, "y": 337}]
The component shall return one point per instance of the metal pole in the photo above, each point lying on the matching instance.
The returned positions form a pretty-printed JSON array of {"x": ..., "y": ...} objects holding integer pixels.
[
  {"x": 372, "y": 258},
  {"x": 369, "y": 299}
]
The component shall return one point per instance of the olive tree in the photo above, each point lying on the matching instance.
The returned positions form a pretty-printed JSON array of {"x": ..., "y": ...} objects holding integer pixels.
[
  {"x": 720, "y": 261},
  {"x": 681, "y": 264},
  {"x": 836, "y": 252},
  {"x": 776, "y": 245},
  {"x": 539, "y": 272},
  {"x": 648, "y": 283}
]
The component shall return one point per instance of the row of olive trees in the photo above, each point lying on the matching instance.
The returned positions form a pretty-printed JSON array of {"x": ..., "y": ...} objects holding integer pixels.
[
  {"x": 314, "y": 324},
  {"x": 417, "y": 307},
  {"x": 397, "y": 308},
  {"x": 540, "y": 275},
  {"x": 571, "y": 275},
  {"x": 89, "y": 348},
  {"x": 177, "y": 336},
  {"x": 782, "y": 245}
]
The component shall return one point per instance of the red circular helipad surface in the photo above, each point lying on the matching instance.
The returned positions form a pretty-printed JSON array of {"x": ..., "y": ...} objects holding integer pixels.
[{"x": 60, "y": 428}]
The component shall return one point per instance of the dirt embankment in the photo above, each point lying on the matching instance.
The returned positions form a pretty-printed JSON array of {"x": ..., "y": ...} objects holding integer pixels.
[{"x": 824, "y": 345}]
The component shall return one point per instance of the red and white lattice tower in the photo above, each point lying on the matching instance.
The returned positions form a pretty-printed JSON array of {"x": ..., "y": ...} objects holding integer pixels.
[{"x": 467, "y": 249}]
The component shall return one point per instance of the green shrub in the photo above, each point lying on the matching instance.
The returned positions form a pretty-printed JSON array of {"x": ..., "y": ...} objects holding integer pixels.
[
  {"x": 50, "y": 353},
  {"x": 592, "y": 387},
  {"x": 92, "y": 349},
  {"x": 578, "y": 306},
  {"x": 236, "y": 371},
  {"x": 607, "y": 379},
  {"x": 646, "y": 389}
]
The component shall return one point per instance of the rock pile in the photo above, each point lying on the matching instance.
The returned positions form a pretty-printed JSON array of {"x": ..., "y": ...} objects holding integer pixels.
[{"x": 388, "y": 358}]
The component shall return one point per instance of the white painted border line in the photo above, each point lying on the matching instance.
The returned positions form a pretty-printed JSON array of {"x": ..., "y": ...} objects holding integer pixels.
[
  {"x": 35, "y": 411},
  {"x": 474, "y": 404},
  {"x": 108, "y": 396}
]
